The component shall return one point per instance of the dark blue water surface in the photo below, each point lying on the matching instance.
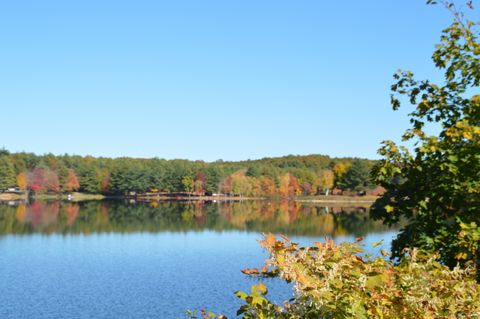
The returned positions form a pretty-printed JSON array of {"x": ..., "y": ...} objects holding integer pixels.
[{"x": 69, "y": 260}]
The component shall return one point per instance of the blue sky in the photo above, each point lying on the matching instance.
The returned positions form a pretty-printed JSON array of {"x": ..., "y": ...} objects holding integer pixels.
[{"x": 208, "y": 79}]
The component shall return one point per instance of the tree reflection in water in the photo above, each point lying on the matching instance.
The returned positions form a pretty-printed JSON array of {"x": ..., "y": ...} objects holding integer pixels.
[{"x": 289, "y": 217}]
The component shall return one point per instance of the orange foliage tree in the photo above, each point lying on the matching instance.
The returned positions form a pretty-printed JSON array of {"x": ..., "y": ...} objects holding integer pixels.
[
  {"x": 71, "y": 184},
  {"x": 22, "y": 181},
  {"x": 288, "y": 186}
]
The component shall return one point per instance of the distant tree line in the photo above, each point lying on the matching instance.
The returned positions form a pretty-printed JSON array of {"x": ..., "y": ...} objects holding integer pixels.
[{"x": 284, "y": 176}]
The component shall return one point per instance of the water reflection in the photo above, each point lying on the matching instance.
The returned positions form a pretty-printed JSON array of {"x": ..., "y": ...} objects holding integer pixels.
[{"x": 291, "y": 218}]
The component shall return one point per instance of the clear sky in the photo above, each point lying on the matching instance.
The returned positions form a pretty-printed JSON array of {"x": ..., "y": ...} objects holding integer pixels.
[{"x": 208, "y": 79}]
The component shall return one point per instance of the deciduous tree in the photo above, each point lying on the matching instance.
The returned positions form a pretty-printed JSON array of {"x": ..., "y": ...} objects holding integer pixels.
[
  {"x": 188, "y": 184},
  {"x": 22, "y": 181},
  {"x": 71, "y": 184},
  {"x": 437, "y": 186}
]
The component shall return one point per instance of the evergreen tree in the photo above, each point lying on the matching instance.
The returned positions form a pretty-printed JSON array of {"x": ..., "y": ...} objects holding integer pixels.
[
  {"x": 357, "y": 176},
  {"x": 7, "y": 172}
]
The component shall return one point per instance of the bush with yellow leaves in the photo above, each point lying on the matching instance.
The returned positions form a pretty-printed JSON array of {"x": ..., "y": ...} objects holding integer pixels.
[{"x": 341, "y": 281}]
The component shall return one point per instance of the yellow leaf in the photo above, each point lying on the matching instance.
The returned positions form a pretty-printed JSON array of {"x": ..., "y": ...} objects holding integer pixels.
[
  {"x": 389, "y": 209},
  {"x": 461, "y": 256},
  {"x": 467, "y": 135}
]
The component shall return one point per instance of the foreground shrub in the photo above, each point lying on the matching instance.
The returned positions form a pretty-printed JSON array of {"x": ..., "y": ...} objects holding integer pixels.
[{"x": 339, "y": 281}]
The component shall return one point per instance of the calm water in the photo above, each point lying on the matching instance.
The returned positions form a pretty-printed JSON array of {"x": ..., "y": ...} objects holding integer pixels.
[{"x": 119, "y": 260}]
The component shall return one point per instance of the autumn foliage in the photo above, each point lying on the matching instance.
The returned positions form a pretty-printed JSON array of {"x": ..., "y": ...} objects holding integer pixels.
[
  {"x": 340, "y": 281},
  {"x": 282, "y": 177},
  {"x": 22, "y": 180},
  {"x": 43, "y": 180},
  {"x": 71, "y": 183}
]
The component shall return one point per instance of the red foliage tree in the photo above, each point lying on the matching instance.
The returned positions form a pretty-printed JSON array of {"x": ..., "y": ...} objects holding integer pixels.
[
  {"x": 36, "y": 180},
  {"x": 43, "y": 180}
]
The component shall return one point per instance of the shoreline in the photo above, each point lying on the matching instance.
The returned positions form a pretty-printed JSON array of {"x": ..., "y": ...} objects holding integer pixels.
[
  {"x": 193, "y": 198},
  {"x": 77, "y": 197}
]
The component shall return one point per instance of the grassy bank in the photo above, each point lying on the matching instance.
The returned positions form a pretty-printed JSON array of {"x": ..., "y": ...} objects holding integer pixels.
[
  {"x": 76, "y": 197},
  {"x": 339, "y": 200},
  {"x": 12, "y": 196}
]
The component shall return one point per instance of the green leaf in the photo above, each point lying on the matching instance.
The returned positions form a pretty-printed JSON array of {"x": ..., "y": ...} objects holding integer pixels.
[{"x": 240, "y": 294}]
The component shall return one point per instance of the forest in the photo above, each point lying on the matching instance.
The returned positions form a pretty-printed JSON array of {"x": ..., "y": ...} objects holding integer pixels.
[{"x": 284, "y": 177}]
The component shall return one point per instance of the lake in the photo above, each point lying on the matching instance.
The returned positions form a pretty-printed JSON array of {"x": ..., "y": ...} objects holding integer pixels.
[{"x": 116, "y": 259}]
